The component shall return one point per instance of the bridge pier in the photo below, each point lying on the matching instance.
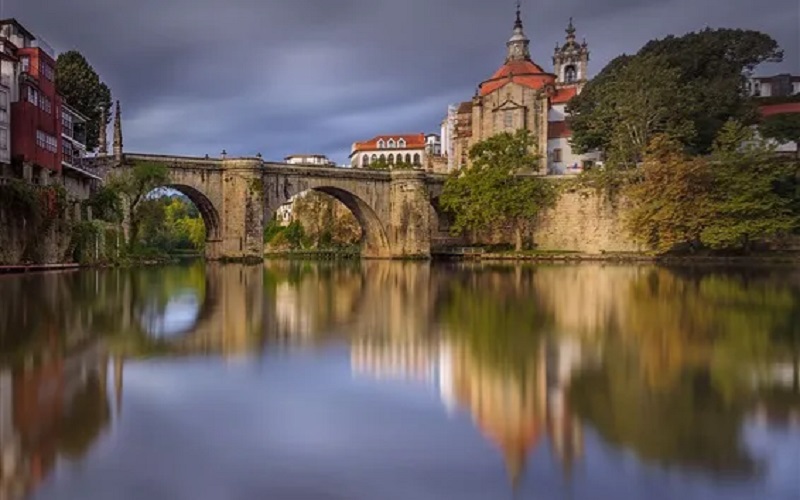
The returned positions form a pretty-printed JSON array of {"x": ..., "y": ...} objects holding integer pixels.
[
  {"x": 409, "y": 225},
  {"x": 242, "y": 212}
]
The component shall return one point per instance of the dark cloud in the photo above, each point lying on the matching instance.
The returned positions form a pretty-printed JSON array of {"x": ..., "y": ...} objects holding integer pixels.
[{"x": 283, "y": 76}]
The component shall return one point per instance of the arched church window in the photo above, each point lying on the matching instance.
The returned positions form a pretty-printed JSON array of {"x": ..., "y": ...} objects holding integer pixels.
[
  {"x": 508, "y": 119},
  {"x": 365, "y": 161},
  {"x": 416, "y": 159},
  {"x": 383, "y": 157},
  {"x": 391, "y": 143},
  {"x": 391, "y": 159},
  {"x": 381, "y": 144},
  {"x": 408, "y": 157},
  {"x": 374, "y": 158},
  {"x": 570, "y": 74},
  {"x": 401, "y": 143}
]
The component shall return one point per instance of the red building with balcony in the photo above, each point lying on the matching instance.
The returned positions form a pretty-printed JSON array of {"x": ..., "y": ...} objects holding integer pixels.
[{"x": 36, "y": 112}]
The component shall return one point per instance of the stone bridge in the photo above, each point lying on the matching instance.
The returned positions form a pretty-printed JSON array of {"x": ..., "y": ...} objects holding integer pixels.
[{"x": 397, "y": 209}]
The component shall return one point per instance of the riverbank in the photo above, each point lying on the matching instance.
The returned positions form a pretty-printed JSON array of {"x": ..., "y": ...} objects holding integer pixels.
[
  {"x": 31, "y": 268},
  {"x": 567, "y": 257}
]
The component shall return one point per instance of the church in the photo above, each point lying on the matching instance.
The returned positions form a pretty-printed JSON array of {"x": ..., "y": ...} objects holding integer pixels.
[{"x": 522, "y": 95}]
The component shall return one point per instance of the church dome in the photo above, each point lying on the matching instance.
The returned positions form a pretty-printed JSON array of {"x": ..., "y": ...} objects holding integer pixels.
[{"x": 518, "y": 66}]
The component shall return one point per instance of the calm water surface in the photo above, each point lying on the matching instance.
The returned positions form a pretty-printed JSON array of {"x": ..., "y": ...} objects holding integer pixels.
[{"x": 401, "y": 381}]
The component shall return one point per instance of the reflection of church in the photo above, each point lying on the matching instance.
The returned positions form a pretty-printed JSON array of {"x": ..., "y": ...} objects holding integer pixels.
[
  {"x": 515, "y": 411},
  {"x": 523, "y": 95}
]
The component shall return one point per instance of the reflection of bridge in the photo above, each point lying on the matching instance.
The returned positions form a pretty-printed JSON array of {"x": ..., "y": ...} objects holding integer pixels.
[{"x": 236, "y": 197}]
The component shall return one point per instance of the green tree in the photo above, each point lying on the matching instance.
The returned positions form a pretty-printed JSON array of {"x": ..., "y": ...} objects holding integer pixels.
[
  {"x": 628, "y": 114},
  {"x": 134, "y": 184},
  {"x": 723, "y": 202},
  {"x": 105, "y": 204},
  {"x": 492, "y": 192},
  {"x": 745, "y": 204},
  {"x": 783, "y": 127},
  {"x": 698, "y": 74},
  {"x": 295, "y": 235},
  {"x": 82, "y": 89},
  {"x": 670, "y": 199}
]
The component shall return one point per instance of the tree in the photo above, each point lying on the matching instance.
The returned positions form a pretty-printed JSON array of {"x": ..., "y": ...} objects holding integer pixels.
[
  {"x": 783, "y": 128},
  {"x": 745, "y": 204},
  {"x": 628, "y": 113},
  {"x": 491, "y": 192},
  {"x": 670, "y": 199},
  {"x": 105, "y": 205},
  {"x": 133, "y": 185},
  {"x": 723, "y": 202},
  {"x": 698, "y": 76},
  {"x": 82, "y": 89}
]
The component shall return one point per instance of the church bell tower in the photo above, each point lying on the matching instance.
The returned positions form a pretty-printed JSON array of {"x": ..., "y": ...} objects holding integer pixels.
[{"x": 571, "y": 62}]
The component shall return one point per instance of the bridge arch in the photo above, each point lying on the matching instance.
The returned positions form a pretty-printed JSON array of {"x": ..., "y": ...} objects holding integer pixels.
[
  {"x": 374, "y": 241},
  {"x": 205, "y": 206}
]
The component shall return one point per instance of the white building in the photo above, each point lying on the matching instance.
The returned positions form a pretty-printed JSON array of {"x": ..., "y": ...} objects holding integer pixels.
[
  {"x": 403, "y": 148},
  {"x": 773, "y": 86},
  {"x": 561, "y": 159},
  {"x": 433, "y": 145},
  {"x": 311, "y": 160},
  {"x": 8, "y": 90}
]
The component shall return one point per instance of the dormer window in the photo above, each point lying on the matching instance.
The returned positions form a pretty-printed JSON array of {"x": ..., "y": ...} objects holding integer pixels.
[
  {"x": 401, "y": 143},
  {"x": 391, "y": 143},
  {"x": 381, "y": 144}
]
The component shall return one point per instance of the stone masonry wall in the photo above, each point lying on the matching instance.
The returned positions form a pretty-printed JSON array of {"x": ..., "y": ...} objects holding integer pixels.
[{"x": 584, "y": 221}]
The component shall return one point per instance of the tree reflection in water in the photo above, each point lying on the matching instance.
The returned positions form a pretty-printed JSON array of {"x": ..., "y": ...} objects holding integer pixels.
[{"x": 670, "y": 364}]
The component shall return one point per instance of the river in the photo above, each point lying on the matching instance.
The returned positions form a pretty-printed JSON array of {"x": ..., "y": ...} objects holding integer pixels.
[{"x": 411, "y": 381}]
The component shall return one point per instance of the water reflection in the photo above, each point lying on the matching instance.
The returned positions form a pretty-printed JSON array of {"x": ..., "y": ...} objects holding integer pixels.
[{"x": 566, "y": 372}]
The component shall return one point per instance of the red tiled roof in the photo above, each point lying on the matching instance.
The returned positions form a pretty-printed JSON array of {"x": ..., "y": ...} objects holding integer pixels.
[
  {"x": 558, "y": 130},
  {"x": 525, "y": 73},
  {"x": 777, "y": 109},
  {"x": 564, "y": 95},
  {"x": 413, "y": 141}
]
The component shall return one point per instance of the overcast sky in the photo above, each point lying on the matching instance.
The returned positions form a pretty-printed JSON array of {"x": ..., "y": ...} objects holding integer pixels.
[{"x": 312, "y": 76}]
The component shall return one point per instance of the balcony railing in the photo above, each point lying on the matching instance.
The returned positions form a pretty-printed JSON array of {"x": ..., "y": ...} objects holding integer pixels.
[{"x": 45, "y": 47}]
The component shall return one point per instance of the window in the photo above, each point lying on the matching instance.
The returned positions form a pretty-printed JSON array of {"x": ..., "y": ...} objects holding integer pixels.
[
  {"x": 416, "y": 159},
  {"x": 508, "y": 119},
  {"x": 408, "y": 158},
  {"x": 757, "y": 89},
  {"x": 46, "y": 141},
  {"x": 365, "y": 161},
  {"x": 570, "y": 74},
  {"x": 381, "y": 144},
  {"x": 391, "y": 159},
  {"x": 25, "y": 62},
  {"x": 33, "y": 96},
  {"x": 45, "y": 104},
  {"x": 3, "y": 101},
  {"x": 391, "y": 143},
  {"x": 557, "y": 155},
  {"x": 66, "y": 124},
  {"x": 46, "y": 71},
  {"x": 374, "y": 158},
  {"x": 401, "y": 143},
  {"x": 66, "y": 152}
]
